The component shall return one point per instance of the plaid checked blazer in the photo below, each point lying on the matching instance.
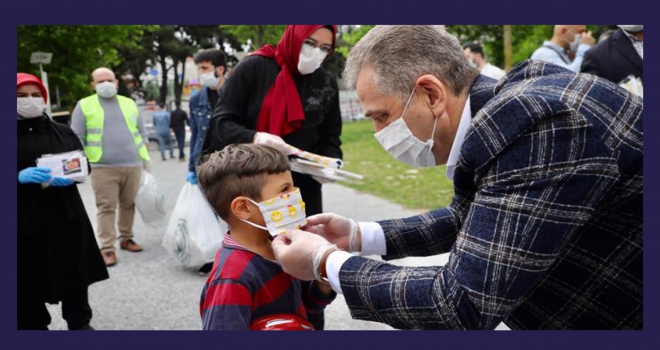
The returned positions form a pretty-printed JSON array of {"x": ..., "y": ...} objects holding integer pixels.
[{"x": 545, "y": 228}]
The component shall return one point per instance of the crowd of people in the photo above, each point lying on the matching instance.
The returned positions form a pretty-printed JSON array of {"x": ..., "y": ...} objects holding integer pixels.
[{"x": 544, "y": 231}]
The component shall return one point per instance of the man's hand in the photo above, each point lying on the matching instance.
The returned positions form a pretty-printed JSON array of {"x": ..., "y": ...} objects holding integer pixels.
[
  {"x": 343, "y": 232},
  {"x": 147, "y": 165},
  {"x": 300, "y": 253},
  {"x": 264, "y": 138},
  {"x": 587, "y": 39}
]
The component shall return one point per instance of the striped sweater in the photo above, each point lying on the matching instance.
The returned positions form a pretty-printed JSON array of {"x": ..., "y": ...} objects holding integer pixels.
[{"x": 244, "y": 286}]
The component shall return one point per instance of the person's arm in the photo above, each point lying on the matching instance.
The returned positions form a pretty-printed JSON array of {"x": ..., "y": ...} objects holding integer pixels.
[
  {"x": 517, "y": 225},
  {"x": 229, "y": 123},
  {"x": 226, "y": 305},
  {"x": 78, "y": 123},
  {"x": 193, "y": 135},
  {"x": 329, "y": 142},
  {"x": 141, "y": 129}
]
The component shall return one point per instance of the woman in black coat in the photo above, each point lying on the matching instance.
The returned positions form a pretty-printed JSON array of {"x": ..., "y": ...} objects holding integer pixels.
[{"x": 58, "y": 257}]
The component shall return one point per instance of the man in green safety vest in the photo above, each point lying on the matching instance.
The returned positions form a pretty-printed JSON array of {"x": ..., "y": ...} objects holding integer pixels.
[{"x": 113, "y": 133}]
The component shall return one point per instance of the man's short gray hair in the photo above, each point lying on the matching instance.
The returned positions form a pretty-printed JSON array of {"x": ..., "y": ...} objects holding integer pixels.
[{"x": 401, "y": 54}]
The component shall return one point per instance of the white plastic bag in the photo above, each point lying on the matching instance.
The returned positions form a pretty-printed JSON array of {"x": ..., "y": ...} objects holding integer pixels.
[
  {"x": 150, "y": 200},
  {"x": 194, "y": 233}
]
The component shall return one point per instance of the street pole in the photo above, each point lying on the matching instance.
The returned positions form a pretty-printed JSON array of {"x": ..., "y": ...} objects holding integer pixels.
[{"x": 44, "y": 79}]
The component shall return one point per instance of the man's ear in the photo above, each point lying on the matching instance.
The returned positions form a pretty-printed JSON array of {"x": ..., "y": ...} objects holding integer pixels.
[
  {"x": 93, "y": 84},
  {"x": 220, "y": 71},
  {"x": 435, "y": 93},
  {"x": 241, "y": 208}
]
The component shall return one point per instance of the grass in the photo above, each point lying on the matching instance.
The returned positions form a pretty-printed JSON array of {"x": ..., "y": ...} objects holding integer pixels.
[{"x": 386, "y": 177}]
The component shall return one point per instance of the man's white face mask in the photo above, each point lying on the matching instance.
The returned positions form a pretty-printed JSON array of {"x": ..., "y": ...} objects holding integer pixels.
[
  {"x": 399, "y": 141},
  {"x": 209, "y": 80},
  {"x": 106, "y": 89},
  {"x": 285, "y": 212},
  {"x": 310, "y": 59},
  {"x": 30, "y": 107}
]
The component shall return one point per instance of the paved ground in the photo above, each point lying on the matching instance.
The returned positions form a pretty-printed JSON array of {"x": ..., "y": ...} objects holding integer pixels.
[{"x": 150, "y": 291}]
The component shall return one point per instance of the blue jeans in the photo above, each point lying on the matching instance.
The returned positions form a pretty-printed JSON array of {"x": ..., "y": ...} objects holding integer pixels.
[
  {"x": 180, "y": 141},
  {"x": 162, "y": 138}
]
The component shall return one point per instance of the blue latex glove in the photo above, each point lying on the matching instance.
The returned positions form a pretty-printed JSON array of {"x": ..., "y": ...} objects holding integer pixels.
[
  {"x": 192, "y": 177},
  {"x": 61, "y": 182},
  {"x": 33, "y": 175}
]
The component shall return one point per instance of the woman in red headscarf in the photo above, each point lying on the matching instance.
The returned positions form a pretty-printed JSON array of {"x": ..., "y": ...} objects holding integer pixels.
[
  {"x": 58, "y": 257},
  {"x": 280, "y": 95}
]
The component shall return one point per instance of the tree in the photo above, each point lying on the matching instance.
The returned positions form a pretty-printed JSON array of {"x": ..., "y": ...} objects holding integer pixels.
[
  {"x": 77, "y": 51},
  {"x": 259, "y": 35}
]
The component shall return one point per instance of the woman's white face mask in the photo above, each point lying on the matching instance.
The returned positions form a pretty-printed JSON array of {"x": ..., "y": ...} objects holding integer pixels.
[
  {"x": 30, "y": 107},
  {"x": 285, "y": 212},
  {"x": 399, "y": 141},
  {"x": 310, "y": 59}
]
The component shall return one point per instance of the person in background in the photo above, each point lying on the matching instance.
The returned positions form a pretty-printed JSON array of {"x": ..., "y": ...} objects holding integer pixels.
[
  {"x": 57, "y": 254},
  {"x": 162, "y": 121},
  {"x": 211, "y": 67},
  {"x": 178, "y": 126},
  {"x": 618, "y": 57},
  {"x": 280, "y": 96},
  {"x": 475, "y": 54},
  {"x": 246, "y": 282},
  {"x": 567, "y": 41},
  {"x": 112, "y": 130}
]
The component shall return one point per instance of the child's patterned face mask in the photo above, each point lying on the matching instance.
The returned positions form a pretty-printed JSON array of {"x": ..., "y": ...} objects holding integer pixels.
[{"x": 284, "y": 212}]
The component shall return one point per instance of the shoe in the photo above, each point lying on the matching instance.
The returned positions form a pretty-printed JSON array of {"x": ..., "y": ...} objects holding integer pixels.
[
  {"x": 86, "y": 327},
  {"x": 171, "y": 156},
  {"x": 164, "y": 159},
  {"x": 182, "y": 159},
  {"x": 130, "y": 245},
  {"x": 109, "y": 258}
]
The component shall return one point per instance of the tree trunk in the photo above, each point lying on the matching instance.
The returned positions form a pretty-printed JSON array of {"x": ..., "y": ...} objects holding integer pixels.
[
  {"x": 163, "y": 86},
  {"x": 177, "y": 96},
  {"x": 508, "y": 52},
  {"x": 260, "y": 37}
]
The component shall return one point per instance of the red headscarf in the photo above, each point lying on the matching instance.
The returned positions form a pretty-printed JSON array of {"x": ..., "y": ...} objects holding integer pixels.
[
  {"x": 24, "y": 79},
  {"x": 281, "y": 111}
]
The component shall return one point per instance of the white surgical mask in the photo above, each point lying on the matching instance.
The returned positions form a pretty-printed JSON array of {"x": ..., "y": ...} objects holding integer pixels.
[
  {"x": 285, "y": 212},
  {"x": 209, "y": 80},
  {"x": 30, "y": 107},
  {"x": 310, "y": 59},
  {"x": 106, "y": 89},
  {"x": 399, "y": 141},
  {"x": 573, "y": 45},
  {"x": 632, "y": 28}
]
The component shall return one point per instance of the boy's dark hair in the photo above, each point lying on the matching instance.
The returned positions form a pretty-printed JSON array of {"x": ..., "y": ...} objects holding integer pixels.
[
  {"x": 238, "y": 170},
  {"x": 161, "y": 104},
  {"x": 475, "y": 48},
  {"x": 215, "y": 56}
]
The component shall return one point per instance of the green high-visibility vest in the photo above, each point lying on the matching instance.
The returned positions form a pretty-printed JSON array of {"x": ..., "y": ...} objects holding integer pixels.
[{"x": 93, "y": 111}]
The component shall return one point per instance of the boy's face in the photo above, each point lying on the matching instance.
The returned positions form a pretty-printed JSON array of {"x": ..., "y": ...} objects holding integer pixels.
[{"x": 276, "y": 185}]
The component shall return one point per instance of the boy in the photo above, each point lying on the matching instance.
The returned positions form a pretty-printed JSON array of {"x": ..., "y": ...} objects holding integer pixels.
[{"x": 246, "y": 282}]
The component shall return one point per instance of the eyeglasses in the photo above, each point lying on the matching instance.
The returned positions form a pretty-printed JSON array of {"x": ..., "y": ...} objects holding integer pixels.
[{"x": 325, "y": 48}]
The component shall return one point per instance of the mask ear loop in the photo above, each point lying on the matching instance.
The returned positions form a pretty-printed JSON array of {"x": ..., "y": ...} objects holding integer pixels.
[
  {"x": 435, "y": 122},
  {"x": 252, "y": 223}
]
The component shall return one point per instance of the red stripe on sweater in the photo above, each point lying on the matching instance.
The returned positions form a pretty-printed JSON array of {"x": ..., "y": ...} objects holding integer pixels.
[
  {"x": 272, "y": 289},
  {"x": 227, "y": 294}
]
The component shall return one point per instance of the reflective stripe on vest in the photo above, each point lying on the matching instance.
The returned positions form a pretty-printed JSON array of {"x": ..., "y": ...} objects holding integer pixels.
[{"x": 93, "y": 111}]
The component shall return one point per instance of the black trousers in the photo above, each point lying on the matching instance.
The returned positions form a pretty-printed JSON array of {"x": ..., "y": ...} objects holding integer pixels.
[{"x": 33, "y": 314}]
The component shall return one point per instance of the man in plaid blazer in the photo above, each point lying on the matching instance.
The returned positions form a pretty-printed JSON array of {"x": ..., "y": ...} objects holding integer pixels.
[{"x": 545, "y": 228}]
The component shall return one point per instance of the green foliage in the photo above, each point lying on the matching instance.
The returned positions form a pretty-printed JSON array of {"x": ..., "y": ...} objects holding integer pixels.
[
  {"x": 77, "y": 51},
  {"x": 387, "y": 178},
  {"x": 259, "y": 34}
]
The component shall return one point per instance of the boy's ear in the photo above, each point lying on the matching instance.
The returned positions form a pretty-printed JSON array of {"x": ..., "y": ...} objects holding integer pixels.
[{"x": 240, "y": 208}]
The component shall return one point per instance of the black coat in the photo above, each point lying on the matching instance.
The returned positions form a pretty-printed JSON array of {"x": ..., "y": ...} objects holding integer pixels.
[
  {"x": 237, "y": 110},
  {"x": 613, "y": 59},
  {"x": 57, "y": 250}
]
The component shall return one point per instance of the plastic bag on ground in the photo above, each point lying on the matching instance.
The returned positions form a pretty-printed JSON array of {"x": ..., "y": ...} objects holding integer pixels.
[{"x": 150, "y": 199}]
